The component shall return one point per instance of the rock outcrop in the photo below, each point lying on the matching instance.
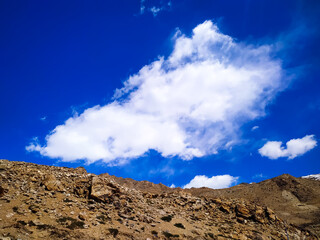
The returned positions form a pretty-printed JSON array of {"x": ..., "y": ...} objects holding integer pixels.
[{"x": 45, "y": 202}]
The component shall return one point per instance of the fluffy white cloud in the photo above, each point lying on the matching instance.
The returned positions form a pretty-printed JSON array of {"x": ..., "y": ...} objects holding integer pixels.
[
  {"x": 215, "y": 182},
  {"x": 188, "y": 105},
  {"x": 294, "y": 148}
]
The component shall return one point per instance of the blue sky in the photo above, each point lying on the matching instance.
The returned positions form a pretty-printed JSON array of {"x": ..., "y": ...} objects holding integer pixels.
[{"x": 204, "y": 93}]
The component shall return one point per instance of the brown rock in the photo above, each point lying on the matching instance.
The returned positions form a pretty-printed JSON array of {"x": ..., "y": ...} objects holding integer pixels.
[
  {"x": 241, "y": 220},
  {"x": 3, "y": 167},
  {"x": 242, "y": 211},
  {"x": 197, "y": 207},
  {"x": 34, "y": 208},
  {"x": 270, "y": 214},
  {"x": 102, "y": 190},
  {"x": 33, "y": 179},
  {"x": 259, "y": 214},
  {"x": 81, "y": 170},
  {"x": 52, "y": 184},
  {"x": 225, "y": 207},
  {"x": 217, "y": 201},
  {"x": 82, "y": 216},
  {"x": 82, "y": 187},
  {"x": 123, "y": 202}
]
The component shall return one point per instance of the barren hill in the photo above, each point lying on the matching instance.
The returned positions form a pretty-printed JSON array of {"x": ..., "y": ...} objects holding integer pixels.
[
  {"x": 45, "y": 202},
  {"x": 296, "y": 200}
]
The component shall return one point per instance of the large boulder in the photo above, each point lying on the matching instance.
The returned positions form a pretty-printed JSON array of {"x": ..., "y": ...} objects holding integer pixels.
[
  {"x": 52, "y": 184},
  {"x": 103, "y": 190}
]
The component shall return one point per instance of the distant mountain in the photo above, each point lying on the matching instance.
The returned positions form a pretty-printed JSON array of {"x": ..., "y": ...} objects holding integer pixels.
[{"x": 46, "y": 202}]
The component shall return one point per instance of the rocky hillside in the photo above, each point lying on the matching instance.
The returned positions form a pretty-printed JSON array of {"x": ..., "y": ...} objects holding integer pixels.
[
  {"x": 296, "y": 200},
  {"x": 45, "y": 202}
]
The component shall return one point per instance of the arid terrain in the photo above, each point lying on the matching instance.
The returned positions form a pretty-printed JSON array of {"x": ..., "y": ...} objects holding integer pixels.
[
  {"x": 46, "y": 202},
  {"x": 296, "y": 200}
]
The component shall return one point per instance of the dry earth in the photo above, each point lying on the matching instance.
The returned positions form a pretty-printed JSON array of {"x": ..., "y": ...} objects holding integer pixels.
[
  {"x": 295, "y": 200},
  {"x": 46, "y": 202}
]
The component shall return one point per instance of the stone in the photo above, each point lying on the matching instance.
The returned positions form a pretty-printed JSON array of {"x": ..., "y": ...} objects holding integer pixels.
[
  {"x": 197, "y": 207},
  {"x": 270, "y": 214},
  {"x": 241, "y": 220},
  {"x": 9, "y": 215},
  {"x": 259, "y": 214},
  {"x": 52, "y": 184},
  {"x": 82, "y": 216},
  {"x": 3, "y": 167},
  {"x": 225, "y": 208},
  {"x": 33, "y": 179},
  {"x": 34, "y": 208},
  {"x": 81, "y": 170},
  {"x": 242, "y": 211},
  {"x": 99, "y": 189}
]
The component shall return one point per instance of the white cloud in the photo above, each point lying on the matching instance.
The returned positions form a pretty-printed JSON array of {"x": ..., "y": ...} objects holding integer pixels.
[
  {"x": 145, "y": 6},
  {"x": 142, "y": 7},
  {"x": 189, "y": 105},
  {"x": 260, "y": 175},
  {"x": 313, "y": 176},
  {"x": 215, "y": 182},
  {"x": 155, "y": 10},
  {"x": 294, "y": 148},
  {"x": 254, "y": 128},
  {"x": 34, "y": 146},
  {"x": 165, "y": 171},
  {"x": 172, "y": 186}
]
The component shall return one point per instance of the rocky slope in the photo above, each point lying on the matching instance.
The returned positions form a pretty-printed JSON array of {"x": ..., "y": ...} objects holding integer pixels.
[
  {"x": 45, "y": 202},
  {"x": 296, "y": 200}
]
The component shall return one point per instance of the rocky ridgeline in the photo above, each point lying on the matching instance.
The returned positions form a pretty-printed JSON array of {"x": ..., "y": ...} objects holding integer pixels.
[{"x": 45, "y": 202}]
